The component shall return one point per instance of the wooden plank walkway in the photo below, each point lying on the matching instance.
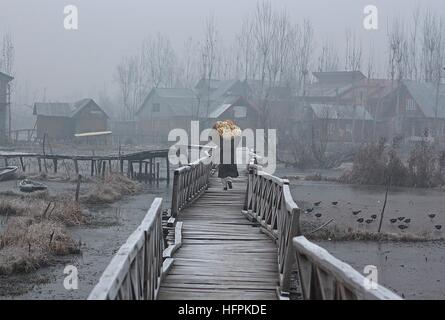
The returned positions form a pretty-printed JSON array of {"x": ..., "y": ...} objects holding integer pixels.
[{"x": 223, "y": 255}]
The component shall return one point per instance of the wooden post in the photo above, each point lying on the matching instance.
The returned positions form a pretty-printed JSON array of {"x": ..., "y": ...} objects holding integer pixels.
[
  {"x": 128, "y": 169},
  {"x": 55, "y": 165},
  {"x": 131, "y": 170},
  {"x": 22, "y": 164},
  {"x": 92, "y": 167},
  {"x": 146, "y": 171},
  {"x": 140, "y": 170},
  {"x": 76, "y": 166},
  {"x": 175, "y": 196},
  {"x": 39, "y": 161},
  {"x": 151, "y": 169},
  {"x": 122, "y": 165},
  {"x": 110, "y": 167},
  {"x": 157, "y": 171},
  {"x": 104, "y": 166},
  {"x": 6, "y": 162},
  {"x": 167, "y": 162},
  {"x": 79, "y": 178}
]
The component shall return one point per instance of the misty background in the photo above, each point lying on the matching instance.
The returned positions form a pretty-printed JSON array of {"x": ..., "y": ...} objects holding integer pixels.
[{"x": 54, "y": 64}]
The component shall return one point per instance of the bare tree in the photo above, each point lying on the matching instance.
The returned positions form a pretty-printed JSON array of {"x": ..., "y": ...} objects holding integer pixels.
[
  {"x": 353, "y": 55},
  {"x": 159, "y": 59},
  {"x": 398, "y": 51},
  {"x": 264, "y": 33},
  {"x": 328, "y": 59},
  {"x": 413, "y": 63},
  {"x": 245, "y": 42},
  {"x": 209, "y": 54},
  {"x": 124, "y": 76}
]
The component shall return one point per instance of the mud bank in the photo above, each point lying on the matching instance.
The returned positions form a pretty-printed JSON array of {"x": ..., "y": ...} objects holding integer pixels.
[{"x": 109, "y": 228}]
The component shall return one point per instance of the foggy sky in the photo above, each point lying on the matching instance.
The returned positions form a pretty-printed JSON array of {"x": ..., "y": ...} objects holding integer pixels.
[{"x": 75, "y": 64}]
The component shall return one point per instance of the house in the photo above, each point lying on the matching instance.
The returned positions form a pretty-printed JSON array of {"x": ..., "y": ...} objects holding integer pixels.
[
  {"x": 379, "y": 97},
  {"x": 421, "y": 111},
  {"x": 4, "y": 107},
  {"x": 236, "y": 108},
  {"x": 165, "y": 109},
  {"x": 337, "y": 123},
  {"x": 227, "y": 100},
  {"x": 330, "y": 86},
  {"x": 62, "y": 120}
]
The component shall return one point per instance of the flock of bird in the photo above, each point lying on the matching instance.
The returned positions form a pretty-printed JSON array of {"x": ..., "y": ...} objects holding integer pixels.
[{"x": 403, "y": 222}]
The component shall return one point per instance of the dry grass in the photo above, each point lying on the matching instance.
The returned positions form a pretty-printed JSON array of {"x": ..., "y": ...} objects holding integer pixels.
[
  {"x": 335, "y": 233},
  {"x": 26, "y": 244},
  {"x": 56, "y": 177},
  {"x": 111, "y": 189},
  {"x": 35, "y": 231}
]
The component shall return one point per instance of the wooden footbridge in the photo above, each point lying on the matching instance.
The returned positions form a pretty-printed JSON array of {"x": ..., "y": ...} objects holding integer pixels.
[{"x": 243, "y": 243}]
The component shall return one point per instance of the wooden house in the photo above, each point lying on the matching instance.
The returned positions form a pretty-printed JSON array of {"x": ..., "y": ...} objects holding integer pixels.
[
  {"x": 62, "y": 120},
  {"x": 337, "y": 123},
  {"x": 165, "y": 109},
  {"x": 4, "y": 107}
]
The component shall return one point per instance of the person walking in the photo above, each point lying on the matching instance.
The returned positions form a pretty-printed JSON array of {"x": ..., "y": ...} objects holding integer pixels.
[{"x": 229, "y": 134}]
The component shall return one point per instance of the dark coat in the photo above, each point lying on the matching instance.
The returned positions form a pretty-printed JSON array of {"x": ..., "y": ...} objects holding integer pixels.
[{"x": 227, "y": 169}]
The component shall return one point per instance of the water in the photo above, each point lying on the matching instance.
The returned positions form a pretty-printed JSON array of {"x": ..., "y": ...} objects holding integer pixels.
[{"x": 414, "y": 270}]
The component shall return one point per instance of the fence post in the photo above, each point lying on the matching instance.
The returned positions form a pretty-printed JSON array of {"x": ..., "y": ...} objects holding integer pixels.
[{"x": 175, "y": 194}]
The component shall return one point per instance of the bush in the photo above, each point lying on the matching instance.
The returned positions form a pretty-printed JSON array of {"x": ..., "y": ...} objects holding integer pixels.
[
  {"x": 111, "y": 189},
  {"x": 369, "y": 165},
  {"x": 374, "y": 164},
  {"x": 424, "y": 166}
]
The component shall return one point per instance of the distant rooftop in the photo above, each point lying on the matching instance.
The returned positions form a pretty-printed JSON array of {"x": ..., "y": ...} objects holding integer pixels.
[
  {"x": 339, "y": 76},
  {"x": 4, "y": 76}
]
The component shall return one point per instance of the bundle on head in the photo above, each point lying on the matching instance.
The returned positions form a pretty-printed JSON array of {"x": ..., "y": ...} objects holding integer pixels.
[{"x": 227, "y": 129}]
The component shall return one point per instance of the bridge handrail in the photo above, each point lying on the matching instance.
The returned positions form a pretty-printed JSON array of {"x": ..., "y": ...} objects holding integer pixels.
[
  {"x": 189, "y": 182},
  {"x": 135, "y": 271},
  {"x": 324, "y": 277},
  {"x": 269, "y": 201}
]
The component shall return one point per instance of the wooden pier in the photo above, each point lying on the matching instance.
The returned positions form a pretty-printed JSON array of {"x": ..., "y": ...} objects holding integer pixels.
[
  {"x": 243, "y": 243},
  {"x": 142, "y": 165}
]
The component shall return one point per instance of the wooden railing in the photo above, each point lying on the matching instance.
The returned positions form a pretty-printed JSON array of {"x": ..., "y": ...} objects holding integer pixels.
[
  {"x": 189, "y": 182},
  {"x": 324, "y": 277},
  {"x": 136, "y": 270},
  {"x": 269, "y": 201}
]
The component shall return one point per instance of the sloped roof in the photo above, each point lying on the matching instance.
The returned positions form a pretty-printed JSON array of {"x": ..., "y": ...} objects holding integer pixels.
[
  {"x": 340, "y": 112},
  {"x": 217, "y": 108},
  {"x": 223, "y": 88},
  {"x": 327, "y": 90},
  {"x": 175, "y": 92},
  {"x": 175, "y": 101},
  {"x": 52, "y": 109},
  {"x": 61, "y": 109},
  {"x": 4, "y": 76},
  {"x": 339, "y": 76},
  {"x": 425, "y": 96}
]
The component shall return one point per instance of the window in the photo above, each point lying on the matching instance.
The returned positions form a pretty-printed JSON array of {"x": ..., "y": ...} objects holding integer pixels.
[
  {"x": 156, "y": 107},
  {"x": 239, "y": 112},
  {"x": 410, "y": 105}
]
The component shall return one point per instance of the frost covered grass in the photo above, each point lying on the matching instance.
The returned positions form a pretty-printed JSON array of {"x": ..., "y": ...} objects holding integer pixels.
[
  {"x": 34, "y": 231},
  {"x": 111, "y": 189}
]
